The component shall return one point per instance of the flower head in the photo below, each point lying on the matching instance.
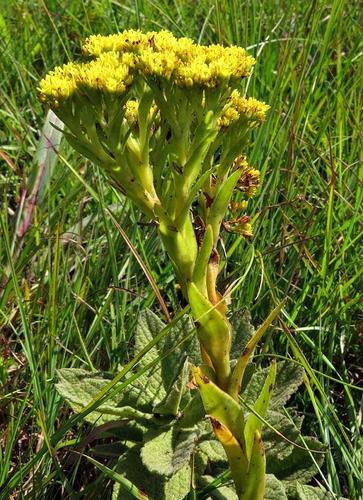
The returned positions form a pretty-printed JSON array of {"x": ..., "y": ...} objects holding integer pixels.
[
  {"x": 240, "y": 226},
  {"x": 132, "y": 112},
  {"x": 128, "y": 41},
  {"x": 144, "y": 102},
  {"x": 249, "y": 180},
  {"x": 238, "y": 206},
  {"x": 164, "y": 56},
  {"x": 111, "y": 73},
  {"x": 243, "y": 108}
]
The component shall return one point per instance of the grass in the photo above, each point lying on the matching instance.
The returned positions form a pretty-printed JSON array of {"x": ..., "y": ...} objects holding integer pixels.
[{"x": 71, "y": 288}]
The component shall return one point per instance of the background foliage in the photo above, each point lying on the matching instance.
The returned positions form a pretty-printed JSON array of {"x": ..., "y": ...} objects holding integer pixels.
[{"x": 71, "y": 291}]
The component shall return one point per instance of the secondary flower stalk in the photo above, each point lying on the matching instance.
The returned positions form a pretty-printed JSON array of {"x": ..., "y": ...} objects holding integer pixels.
[{"x": 167, "y": 123}]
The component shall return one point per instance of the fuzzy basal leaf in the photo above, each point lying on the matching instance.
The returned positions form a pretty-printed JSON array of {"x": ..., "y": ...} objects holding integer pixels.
[
  {"x": 79, "y": 387},
  {"x": 276, "y": 447},
  {"x": 298, "y": 491},
  {"x": 213, "y": 450},
  {"x": 159, "y": 380},
  {"x": 299, "y": 465},
  {"x": 166, "y": 451},
  {"x": 154, "y": 485},
  {"x": 170, "y": 405},
  {"x": 275, "y": 490},
  {"x": 178, "y": 486},
  {"x": 131, "y": 466},
  {"x": 289, "y": 378},
  {"x": 220, "y": 493},
  {"x": 254, "y": 422},
  {"x": 244, "y": 330}
]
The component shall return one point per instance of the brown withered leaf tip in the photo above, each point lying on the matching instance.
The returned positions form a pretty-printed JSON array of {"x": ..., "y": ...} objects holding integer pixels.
[
  {"x": 214, "y": 258},
  {"x": 215, "y": 423},
  {"x": 208, "y": 198}
]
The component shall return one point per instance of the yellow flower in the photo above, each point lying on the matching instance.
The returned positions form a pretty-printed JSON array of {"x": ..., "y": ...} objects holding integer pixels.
[
  {"x": 164, "y": 56},
  {"x": 240, "y": 107},
  {"x": 132, "y": 112},
  {"x": 157, "y": 55},
  {"x": 249, "y": 180},
  {"x": 128, "y": 41},
  {"x": 240, "y": 226},
  {"x": 110, "y": 73},
  {"x": 238, "y": 206}
]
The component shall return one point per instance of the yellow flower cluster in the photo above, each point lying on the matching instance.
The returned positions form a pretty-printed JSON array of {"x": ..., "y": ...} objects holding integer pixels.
[
  {"x": 243, "y": 107},
  {"x": 249, "y": 180},
  {"x": 132, "y": 111},
  {"x": 128, "y": 41},
  {"x": 110, "y": 73},
  {"x": 240, "y": 226},
  {"x": 118, "y": 59},
  {"x": 162, "y": 55},
  {"x": 238, "y": 206}
]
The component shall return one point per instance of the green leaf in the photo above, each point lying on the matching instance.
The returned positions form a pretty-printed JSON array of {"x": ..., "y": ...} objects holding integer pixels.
[
  {"x": 149, "y": 389},
  {"x": 236, "y": 378},
  {"x": 254, "y": 488},
  {"x": 193, "y": 413},
  {"x": 143, "y": 116},
  {"x": 192, "y": 193},
  {"x": 221, "y": 405},
  {"x": 79, "y": 387},
  {"x": 253, "y": 421},
  {"x": 213, "y": 449},
  {"x": 201, "y": 264},
  {"x": 157, "y": 453},
  {"x": 170, "y": 404},
  {"x": 178, "y": 486},
  {"x": 243, "y": 332},
  {"x": 274, "y": 490},
  {"x": 289, "y": 377},
  {"x": 166, "y": 451},
  {"x": 148, "y": 327},
  {"x": 220, "y": 492},
  {"x": 153, "y": 484},
  {"x": 131, "y": 466},
  {"x": 191, "y": 348},
  {"x": 213, "y": 331},
  {"x": 200, "y": 463},
  {"x": 298, "y": 491},
  {"x": 126, "y": 486},
  {"x": 249, "y": 371},
  {"x": 238, "y": 464},
  {"x": 277, "y": 448},
  {"x": 154, "y": 386},
  {"x": 299, "y": 465},
  {"x": 220, "y": 203}
]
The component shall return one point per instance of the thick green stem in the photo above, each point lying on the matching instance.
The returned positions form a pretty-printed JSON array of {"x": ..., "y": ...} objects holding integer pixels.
[{"x": 181, "y": 246}]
